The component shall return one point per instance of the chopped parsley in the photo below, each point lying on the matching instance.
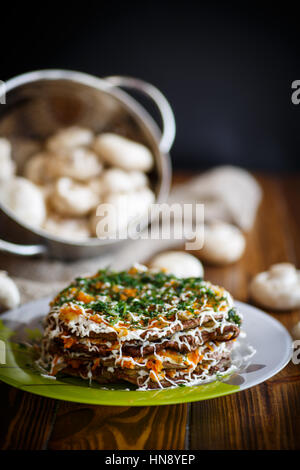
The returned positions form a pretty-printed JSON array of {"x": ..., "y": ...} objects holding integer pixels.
[
  {"x": 234, "y": 317},
  {"x": 138, "y": 297}
]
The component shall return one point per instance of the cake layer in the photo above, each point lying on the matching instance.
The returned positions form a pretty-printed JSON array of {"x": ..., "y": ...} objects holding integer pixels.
[{"x": 151, "y": 329}]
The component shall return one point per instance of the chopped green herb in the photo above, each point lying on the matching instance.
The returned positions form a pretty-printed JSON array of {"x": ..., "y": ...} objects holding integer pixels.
[
  {"x": 234, "y": 317},
  {"x": 130, "y": 296}
]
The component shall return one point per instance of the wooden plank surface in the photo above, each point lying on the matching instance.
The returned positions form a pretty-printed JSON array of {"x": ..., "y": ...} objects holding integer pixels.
[
  {"x": 105, "y": 427},
  {"x": 265, "y": 417},
  {"x": 26, "y": 420},
  {"x": 268, "y": 415}
]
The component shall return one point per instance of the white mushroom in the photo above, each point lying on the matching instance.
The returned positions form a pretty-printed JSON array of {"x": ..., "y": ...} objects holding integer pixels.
[
  {"x": 69, "y": 138},
  {"x": 38, "y": 170},
  {"x": 23, "y": 148},
  {"x": 138, "y": 179},
  {"x": 278, "y": 288},
  {"x": 123, "y": 153},
  {"x": 69, "y": 228},
  {"x": 111, "y": 218},
  {"x": 72, "y": 199},
  {"x": 117, "y": 210},
  {"x": 115, "y": 180},
  {"x": 179, "y": 263},
  {"x": 296, "y": 331},
  {"x": 141, "y": 200},
  {"x": 135, "y": 203},
  {"x": 96, "y": 185},
  {"x": 223, "y": 244},
  {"x": 7, "y": 165},
  {"x": 25, "y": 199},
  {"x": 78, "y": 163},
  {"x": 47, "y": 190},
  {"x": 9, "y": 293}
]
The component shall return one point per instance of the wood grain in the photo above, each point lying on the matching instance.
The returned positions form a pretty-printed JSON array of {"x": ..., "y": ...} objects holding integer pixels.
[
  {"x": 268, "y": 415},
  {"x": 103, "y": 427},
  {"x": 26, "y": 419}
]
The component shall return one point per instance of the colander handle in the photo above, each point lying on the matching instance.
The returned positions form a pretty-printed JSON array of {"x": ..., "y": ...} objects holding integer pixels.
[
  {"x": 167, "y": 116},
  {"x": 22, "y": 250}
]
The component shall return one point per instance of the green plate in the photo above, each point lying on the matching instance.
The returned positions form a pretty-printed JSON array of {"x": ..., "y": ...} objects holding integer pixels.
[{"x": 17, "y": 365}]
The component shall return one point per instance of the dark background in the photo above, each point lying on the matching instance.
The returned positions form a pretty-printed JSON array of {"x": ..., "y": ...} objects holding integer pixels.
[{"x": 226, "y": 68}]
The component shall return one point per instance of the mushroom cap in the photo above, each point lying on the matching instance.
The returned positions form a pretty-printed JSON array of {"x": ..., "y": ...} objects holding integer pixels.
[
  {"x": 78, "y": 163},
  {"x": 179, "y": 263},
  {"x": 9, "y": 293},
  {"x": 69, "y": 137},
  {"x": 25, "y": 199},
  {"x": 69, "y": 228},
  {"x": 118, "y": 180},
  {"x": 223, "y": 244},
  {"x": 278, "y": 288},
  {"x": 5, "y": 147},
  {"x": 70, "y": 198},
  {"x": 118, "y": 210},
  {"x": 7, "y": 165},
  {"x": 122, "y": 152},
  {"x": 38, "y": 170}
]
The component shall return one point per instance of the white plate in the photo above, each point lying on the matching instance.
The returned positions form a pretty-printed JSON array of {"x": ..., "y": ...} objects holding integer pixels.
[{"x": 262, "y": 353}]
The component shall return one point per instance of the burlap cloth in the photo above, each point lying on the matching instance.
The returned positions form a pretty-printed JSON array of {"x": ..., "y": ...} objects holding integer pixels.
[
  {"x": 38, "y": 278},
  {"x": 235, "y": 200}
]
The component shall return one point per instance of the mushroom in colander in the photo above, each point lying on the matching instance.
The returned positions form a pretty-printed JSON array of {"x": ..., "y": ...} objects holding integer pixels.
[
  {"x": 117, "y": 210},
  {"x": 68, "y": 138},
  {"x": 78, "y": 163},
  {"x": 68, "y": 228},
  {"x": 117, "y": 180},
  {"x": 123, "y": 153},
  {"x": 70, "y": 198},
  {"x": 38, "y": 170},
  {"x": 25, "y": 199},
  {"x": 7, "y": 166}
]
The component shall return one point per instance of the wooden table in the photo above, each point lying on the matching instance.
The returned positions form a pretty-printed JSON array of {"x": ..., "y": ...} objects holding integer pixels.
[{"x": 264, "y": 417}]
